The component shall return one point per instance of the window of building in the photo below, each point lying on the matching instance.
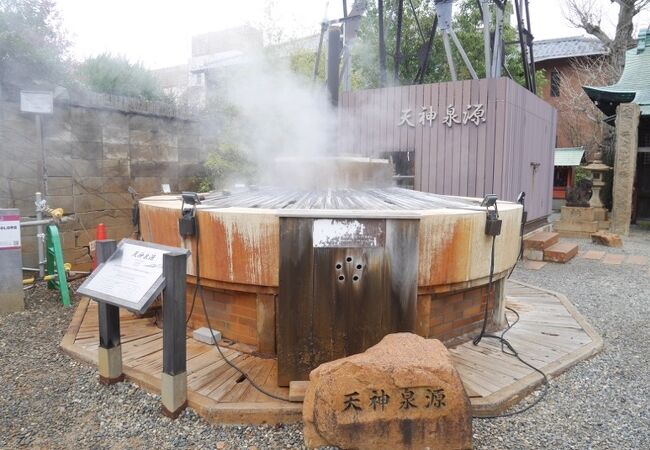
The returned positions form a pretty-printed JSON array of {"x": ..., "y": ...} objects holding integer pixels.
[
  {"x": 561, "y": 176},
  {"x": 555, "y": 83},
  {"x": 404, "y": 165}
]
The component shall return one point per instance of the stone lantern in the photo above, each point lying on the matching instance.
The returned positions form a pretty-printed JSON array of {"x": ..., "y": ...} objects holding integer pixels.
[{"x": 598, "y": 170}]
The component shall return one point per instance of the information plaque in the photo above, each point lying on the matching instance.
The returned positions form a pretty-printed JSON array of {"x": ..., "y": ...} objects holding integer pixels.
[
  {"x": 132, "y": 277},
  {"x": 38, "y": 102}
]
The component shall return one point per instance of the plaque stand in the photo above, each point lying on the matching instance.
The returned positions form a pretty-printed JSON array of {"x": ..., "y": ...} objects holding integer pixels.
[
  {"x": 173, "y": 386},
  {"x": 110, "y": 348}
]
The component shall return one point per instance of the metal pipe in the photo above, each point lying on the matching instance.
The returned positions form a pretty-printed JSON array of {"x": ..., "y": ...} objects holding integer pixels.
[
  {"x": 40, "y": 236},
  {"x": 463, "y": 55},
  {"x": 398, "y": 41},
  {"x": 497, "y": 50},
  {"x": 33, "y": 223},
  {"x": 522, "y": 45},
  {"x": 533, "y": 80},
  {"x": 382, "y": 44},
  {"x": 450, "y": 60},
  {"x": 487, "y": 19}
]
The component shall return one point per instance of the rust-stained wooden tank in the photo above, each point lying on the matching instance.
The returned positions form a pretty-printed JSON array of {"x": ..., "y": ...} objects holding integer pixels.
[{"x": 311, "y": 275}]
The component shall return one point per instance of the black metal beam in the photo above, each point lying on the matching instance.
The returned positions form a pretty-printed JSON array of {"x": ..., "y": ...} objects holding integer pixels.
[
  {"x": 398, "y": 40},
  {"x": 109, "y": 315},
  {"x": 382, "y": 44},
  {"x": 522, "y": 46},
  {"x": 424, "y": 55},
  {"x": 174, "y": 339},
  {"x": 334, "y": 49}
]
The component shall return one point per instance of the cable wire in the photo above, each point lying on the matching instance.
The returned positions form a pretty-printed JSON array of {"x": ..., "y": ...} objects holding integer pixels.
[
  {"x": 198, "y": 288},
  {"x": 506, "y": 344}
]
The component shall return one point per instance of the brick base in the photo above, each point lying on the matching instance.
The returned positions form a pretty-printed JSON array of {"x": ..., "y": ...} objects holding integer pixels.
[
  {"x": 456, "y": 314},
  {"x": 234, "y": 314}
]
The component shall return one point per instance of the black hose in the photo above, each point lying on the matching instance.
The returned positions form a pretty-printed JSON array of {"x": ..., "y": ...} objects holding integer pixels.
[{"x": 198, "y": 288}]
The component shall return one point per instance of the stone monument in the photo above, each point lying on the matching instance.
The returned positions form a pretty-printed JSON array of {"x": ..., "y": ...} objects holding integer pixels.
[
  {"x": 403, "y": 393},
  {"x": 586, "y": 215}
]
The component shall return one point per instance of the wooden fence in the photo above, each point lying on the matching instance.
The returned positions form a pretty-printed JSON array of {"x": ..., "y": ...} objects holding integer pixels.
[{"x": 469, "y": 138}]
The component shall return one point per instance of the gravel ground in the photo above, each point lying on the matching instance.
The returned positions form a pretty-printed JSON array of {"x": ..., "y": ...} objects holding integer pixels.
[{"x": 48, "y": 400}]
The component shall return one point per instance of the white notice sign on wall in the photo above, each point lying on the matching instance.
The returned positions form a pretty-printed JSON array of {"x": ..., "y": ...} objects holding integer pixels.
[
  {"x": 38, "y": 102},
  {"x": 9, "y": 232}
]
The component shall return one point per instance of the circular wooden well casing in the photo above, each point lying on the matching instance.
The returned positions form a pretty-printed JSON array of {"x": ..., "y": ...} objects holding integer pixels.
[{"x": 240, "y": 259}]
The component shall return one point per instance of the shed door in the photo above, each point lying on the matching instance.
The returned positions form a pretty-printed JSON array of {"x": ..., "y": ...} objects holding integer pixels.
[{"x": 344, "y": 285}]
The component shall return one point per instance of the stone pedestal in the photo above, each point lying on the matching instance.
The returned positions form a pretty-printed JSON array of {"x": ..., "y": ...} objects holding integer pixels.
[
  {"x": 173, "y": 392},
  {"x": 581, "y": 222},
  {"x": 403, "y": 393},
  {"x": 110, "y": 365},
  {"x": 627, "y": 134}
]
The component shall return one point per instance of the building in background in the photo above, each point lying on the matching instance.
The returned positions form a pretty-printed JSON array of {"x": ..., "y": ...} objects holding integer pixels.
[
  {"x": 564, "y": 62},
  {"x": 211, "y": 52},
  {"x": 632, "y": 167},
  {"x": 567, "y": 160}
]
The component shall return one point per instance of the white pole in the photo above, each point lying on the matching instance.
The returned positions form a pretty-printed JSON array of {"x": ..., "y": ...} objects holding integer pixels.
[
  {"x": 463, "y": 54},
  {"x": 487, "y": 19},
  {"x": 450, "y": 60}
]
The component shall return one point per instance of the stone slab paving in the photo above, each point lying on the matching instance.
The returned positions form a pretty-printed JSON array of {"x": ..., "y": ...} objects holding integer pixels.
[
  {"x": 534, "y": 265},
  {"x": 613, "y": 259},
  {"x": 637, "y": 259},
  {"x": 593, "y": 254}
]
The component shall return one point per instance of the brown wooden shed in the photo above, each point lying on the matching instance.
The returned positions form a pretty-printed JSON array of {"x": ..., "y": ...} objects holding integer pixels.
[{"x": 465, "y": 138}]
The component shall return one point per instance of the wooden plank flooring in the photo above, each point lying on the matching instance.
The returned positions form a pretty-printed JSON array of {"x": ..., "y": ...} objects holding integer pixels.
[{"x": 550, "y": 334}]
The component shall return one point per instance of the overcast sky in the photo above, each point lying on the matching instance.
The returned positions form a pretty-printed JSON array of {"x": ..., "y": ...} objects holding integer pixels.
[{"x": 158, "y": 32}]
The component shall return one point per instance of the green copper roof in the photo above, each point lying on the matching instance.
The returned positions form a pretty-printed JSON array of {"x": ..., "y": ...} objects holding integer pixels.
[
  {"x": 634, "y": 84},
  {"x": 569, "y": 156}
]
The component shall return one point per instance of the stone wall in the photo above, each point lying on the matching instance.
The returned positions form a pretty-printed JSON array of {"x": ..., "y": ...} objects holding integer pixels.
[{"x": 95, "y": 147}]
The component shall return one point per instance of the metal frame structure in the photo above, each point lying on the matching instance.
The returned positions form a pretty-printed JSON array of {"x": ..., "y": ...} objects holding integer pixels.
[{"x": 492, "y": 41}]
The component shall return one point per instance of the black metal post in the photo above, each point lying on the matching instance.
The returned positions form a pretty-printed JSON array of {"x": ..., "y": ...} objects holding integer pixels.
[
  {"x": 110, "y": 351},
  {"x": 334, "y": 48},
  {"x": 398, "y": 40},
  {"x": 174, "y": 376},
  {"x": 382, "y": 44},
  {"x": 424, "y": 58}
]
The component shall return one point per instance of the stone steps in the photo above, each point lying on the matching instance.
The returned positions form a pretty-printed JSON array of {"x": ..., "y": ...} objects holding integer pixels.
[
  {"x": 561, "y": 252},
  {"x": 546, "y": 246}
]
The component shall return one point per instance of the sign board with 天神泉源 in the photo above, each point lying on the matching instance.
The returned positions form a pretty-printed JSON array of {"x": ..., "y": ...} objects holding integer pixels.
[{"x": 132, "y": 277}]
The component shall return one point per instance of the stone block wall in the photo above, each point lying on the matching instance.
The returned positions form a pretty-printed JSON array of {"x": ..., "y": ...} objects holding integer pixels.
[{"x": 95, "y": 147}]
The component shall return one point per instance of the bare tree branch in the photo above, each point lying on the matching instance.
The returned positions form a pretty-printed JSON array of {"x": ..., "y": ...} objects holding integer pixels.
[{"x": 587, "y": 15}]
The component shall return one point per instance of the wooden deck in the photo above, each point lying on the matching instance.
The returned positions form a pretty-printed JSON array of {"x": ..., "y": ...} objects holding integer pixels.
[{"x": 551, "y": 335}]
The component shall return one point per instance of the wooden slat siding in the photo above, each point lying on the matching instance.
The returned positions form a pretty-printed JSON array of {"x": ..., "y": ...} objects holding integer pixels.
[
  {"x": 448, "y": 161},
  {"x": 365, "y": 123},
  {"x": 500, "y": 137},
  {"x": 470, "y": 154},
  {"x": 387, "y": 121},
  {"x": 481, "y": 144},
  {"x": 373, "y": 119},
  {"x": 465, "y": 168},
  {"x": 437, "y": 143},
  {"x": 378, "y": 118},
  {"x": 413, "y": 104},
  {"x": 454, "y": 97},
  {"x": 511, "y": 110},
  {"x": 367, "y": 107},
  {"x": 404, "y": 132},
  {"x": 464, "y": 160},
  {"x": 342, "y": 113},
  {"x": 423, "y": 157},
  {"x": 433, "y": 148},
  {"x": 419, "y": 130}
]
